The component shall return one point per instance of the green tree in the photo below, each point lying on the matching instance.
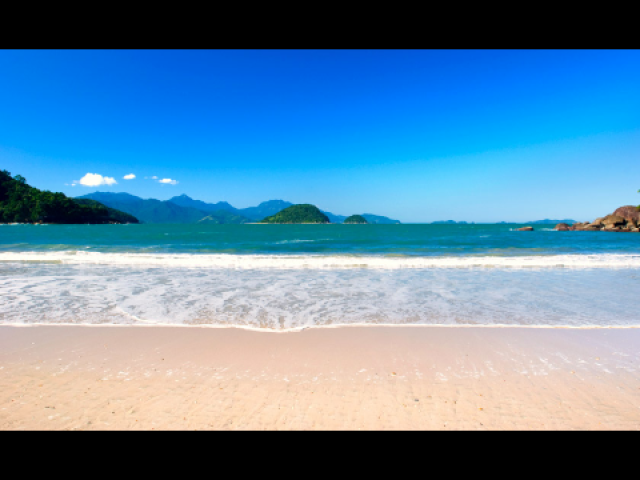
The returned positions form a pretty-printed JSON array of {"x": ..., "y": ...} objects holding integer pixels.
[{"x": 22, "y": 203}]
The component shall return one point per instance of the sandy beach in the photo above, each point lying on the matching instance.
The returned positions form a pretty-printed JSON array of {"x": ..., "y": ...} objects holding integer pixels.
[{"x": 186, "y": 378}]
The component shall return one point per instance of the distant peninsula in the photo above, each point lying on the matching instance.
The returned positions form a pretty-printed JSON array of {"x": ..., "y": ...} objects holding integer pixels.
[
  {"x": 303, "y": 213},
  {"x": 380, "y": 220},
  {"x": 449, "y": 222},
  {"x": 356, "y": 219},
  {"x": 546, "y": 221},
  {"x": 22, "y": 203}
]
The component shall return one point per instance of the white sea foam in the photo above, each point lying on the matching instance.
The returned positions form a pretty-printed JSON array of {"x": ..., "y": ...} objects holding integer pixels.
[
  {"x": 286, "y": 242},
  {"x": 294, "y": 298},
  {"x": 291, "y": 261}
]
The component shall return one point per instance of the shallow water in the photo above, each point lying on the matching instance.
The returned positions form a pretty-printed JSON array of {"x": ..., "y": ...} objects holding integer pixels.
[{"x": 294, "y": 276}]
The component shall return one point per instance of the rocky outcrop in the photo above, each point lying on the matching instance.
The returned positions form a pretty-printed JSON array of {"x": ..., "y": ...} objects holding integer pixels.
[
  {"x": 629, "y": 213},
  {"x": 525, "y": 229},
  {"x": 624, "y": 219},
  {"x": 613, "y": 220}
]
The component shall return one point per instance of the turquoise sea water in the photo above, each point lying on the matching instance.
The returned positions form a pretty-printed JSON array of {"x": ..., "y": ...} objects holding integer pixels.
[
  {"x": 294, "y": 276},
  {"x": 414, "y": 240}
]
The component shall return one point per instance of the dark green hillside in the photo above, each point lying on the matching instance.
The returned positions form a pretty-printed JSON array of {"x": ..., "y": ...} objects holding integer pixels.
[
  {"x": 303, "y": 213},
  {"x": 117, "y": 215},
  {"x": 22, "y": 203},
  {"x": 356, "y": 219}
]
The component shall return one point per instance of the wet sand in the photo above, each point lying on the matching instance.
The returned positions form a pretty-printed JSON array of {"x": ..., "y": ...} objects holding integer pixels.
[{"x": 107, "y": 377}]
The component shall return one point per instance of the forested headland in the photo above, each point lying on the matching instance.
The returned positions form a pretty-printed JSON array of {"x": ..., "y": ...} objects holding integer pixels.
[{"x": 22, "y": 203}]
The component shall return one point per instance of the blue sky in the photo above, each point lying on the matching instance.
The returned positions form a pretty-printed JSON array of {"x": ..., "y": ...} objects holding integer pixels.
[{"x": 415, "y": 135}]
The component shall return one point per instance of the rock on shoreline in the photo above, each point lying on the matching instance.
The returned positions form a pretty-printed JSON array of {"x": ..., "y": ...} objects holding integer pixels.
[{"x": 624, "y": 219}]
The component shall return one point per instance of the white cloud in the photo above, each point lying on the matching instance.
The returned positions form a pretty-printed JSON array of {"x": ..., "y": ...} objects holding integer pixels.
[
  {"x": 131, "y": 176},
  {"x": 95, "y": 180},
  {"x": 165, "y": 181}
]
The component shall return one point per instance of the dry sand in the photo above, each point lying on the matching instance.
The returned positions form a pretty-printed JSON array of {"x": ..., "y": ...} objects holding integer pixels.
[{"x": 81, "y": 378}]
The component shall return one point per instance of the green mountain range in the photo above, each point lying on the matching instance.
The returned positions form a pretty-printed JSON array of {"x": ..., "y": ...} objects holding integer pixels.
[
  {"x": 157, "y": 211},
  {"x": 22, "y": 203},
  {"x": 186, "y": 201},
  {"x": 184, "y": 209},
  {"x": 303, "y": 213}
]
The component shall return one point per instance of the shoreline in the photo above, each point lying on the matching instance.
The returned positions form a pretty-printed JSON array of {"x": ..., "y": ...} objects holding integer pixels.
[
  {"x": 321, "y": 327},
  {"x": 66, "y": 378}
]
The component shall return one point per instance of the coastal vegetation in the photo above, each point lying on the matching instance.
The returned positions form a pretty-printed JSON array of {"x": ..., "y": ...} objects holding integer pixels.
[
  {"x": 303, "y": 213},
  {"x": 356, "y": 219},
  {"x": 22, "y": 203}
]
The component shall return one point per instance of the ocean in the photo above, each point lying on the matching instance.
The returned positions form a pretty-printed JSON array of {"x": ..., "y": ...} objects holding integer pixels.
[{"x": 290, "y": 277}]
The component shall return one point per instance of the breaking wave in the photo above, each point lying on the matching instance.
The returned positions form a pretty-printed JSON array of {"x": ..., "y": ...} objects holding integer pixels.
[{"x": 290, "y": 261}]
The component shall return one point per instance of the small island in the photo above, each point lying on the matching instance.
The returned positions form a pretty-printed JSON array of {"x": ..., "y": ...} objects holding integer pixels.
[
  {"x": 303, "y": 213},
  {"x": 356, "y": 219}
]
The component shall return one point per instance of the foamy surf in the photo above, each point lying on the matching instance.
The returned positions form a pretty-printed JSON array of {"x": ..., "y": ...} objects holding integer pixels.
[
  {"x": 230, "y": 261},
  {"x": 286, "y": 299}
]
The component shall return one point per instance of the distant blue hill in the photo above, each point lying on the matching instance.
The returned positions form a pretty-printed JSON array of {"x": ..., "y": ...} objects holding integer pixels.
[
  {"x": 546, "y": 221},
  {"x": 379, "y": 219},
  {"x": 157, "y": 211},
  {"x": 449, "y": 222},
  {"x": 267, "y": 209},
  {"x": 187, "y": 201}
]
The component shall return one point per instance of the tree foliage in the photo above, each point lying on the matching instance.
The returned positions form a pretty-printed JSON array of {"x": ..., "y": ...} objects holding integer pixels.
[{"x": 22, "y": 203}]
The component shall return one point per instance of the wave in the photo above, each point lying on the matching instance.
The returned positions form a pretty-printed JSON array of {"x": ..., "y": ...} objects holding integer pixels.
[
  {"x": 290, "y": 261},
  {"x": 286, "y": 242},
  {"x": 286, "y": 294},
  {"x": 320, "y": 327}
]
